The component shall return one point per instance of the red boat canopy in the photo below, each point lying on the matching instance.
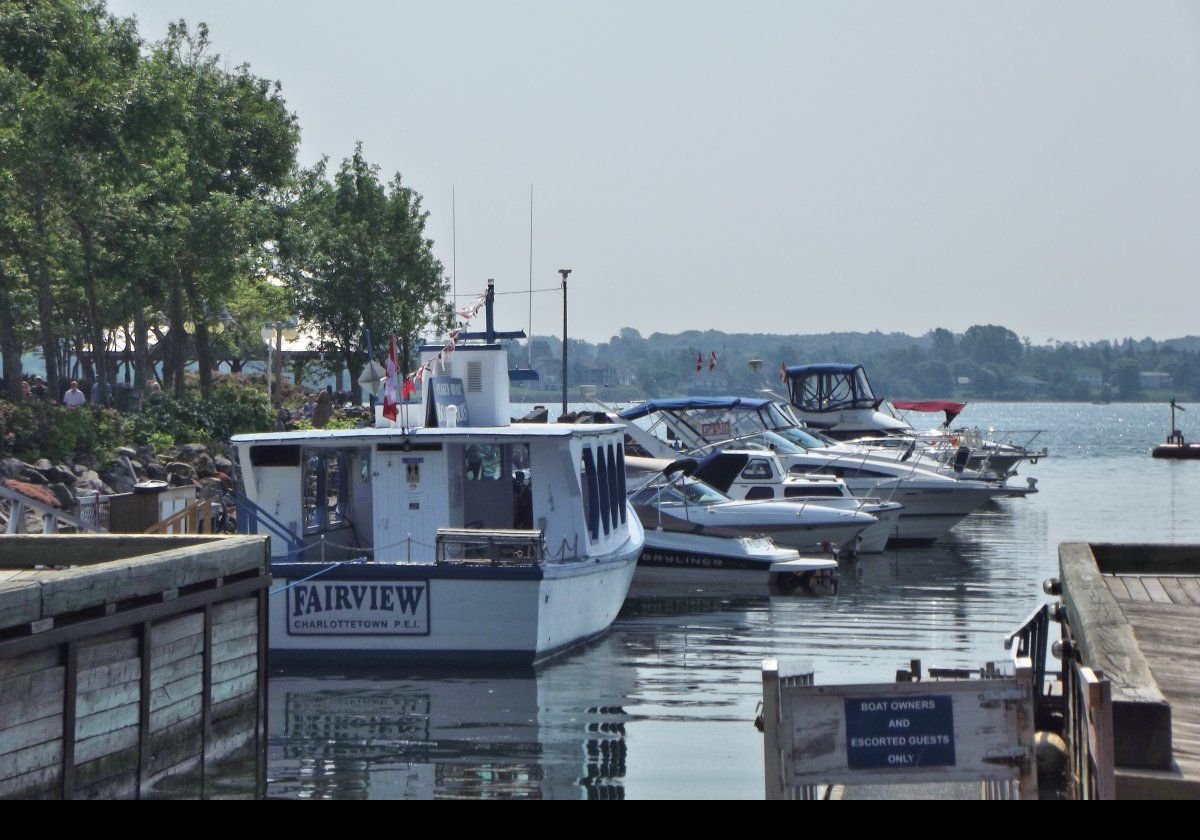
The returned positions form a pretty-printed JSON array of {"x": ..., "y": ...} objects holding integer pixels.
[{"x": 952, "y": 409}]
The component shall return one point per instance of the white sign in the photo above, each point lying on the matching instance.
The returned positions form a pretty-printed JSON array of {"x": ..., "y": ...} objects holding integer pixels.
[{"x": 359, "y": 608}]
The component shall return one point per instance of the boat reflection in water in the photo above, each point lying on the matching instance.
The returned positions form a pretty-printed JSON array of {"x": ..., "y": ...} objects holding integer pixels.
[{"x": 558, "y": 733}]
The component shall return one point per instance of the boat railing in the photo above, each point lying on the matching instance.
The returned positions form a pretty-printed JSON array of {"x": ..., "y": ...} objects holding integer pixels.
[{"x": 490, "y": 546}]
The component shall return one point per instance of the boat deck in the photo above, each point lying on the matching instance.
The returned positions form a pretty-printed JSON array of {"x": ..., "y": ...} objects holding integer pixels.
[{"x": 1164, "y": 613}]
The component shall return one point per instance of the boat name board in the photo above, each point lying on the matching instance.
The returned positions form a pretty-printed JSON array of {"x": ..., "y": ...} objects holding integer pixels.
[{"x": 358, "y": 608}]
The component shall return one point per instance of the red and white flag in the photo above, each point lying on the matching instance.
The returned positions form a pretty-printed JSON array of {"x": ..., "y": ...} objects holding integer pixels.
[
  {"x": 712, "y": 361},
  {"x": 389, "y": 387},
  {"x": 699, "y": 362}
]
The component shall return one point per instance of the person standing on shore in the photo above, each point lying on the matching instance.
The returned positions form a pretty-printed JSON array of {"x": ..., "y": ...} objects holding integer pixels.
[{"x": 74, "y": 397}]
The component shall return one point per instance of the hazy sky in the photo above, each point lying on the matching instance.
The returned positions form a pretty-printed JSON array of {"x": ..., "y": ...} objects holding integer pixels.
[{"x": 770, "y": 166}]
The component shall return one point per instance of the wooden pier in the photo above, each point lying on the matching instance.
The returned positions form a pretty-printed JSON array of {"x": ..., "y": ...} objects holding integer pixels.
[
  {"x": 1133, "y": 616},
  {"x": 130, "y": 665}
]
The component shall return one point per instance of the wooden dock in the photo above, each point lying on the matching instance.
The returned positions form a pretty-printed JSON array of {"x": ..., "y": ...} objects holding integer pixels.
[
  {"x": 130, "y": 665},
  {"x": 1134, "y": 616}
]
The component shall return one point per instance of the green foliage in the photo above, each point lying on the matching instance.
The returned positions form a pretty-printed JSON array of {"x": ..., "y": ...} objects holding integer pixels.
[
  {"x": 233, "y": 407},
  {"x": 39, "y": 429}
]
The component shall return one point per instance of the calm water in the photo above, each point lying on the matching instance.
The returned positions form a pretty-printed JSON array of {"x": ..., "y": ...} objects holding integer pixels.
[{"x": 662, "y": 706}]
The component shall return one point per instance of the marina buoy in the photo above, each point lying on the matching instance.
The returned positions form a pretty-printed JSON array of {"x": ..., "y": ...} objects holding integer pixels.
[{"x": 1176, "y": 447}]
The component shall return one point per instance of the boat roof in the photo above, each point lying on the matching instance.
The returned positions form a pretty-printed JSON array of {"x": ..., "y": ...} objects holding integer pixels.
[
  {"x": 516, "y": 430},
  {"x": 691, "y": 403},
  {"x": 823, "y": 367}
]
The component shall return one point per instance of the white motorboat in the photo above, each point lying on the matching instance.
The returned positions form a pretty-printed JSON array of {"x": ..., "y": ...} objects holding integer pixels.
[
  {"x": 459, "y": 539},
  {"x": 934, "y": 501},
  {"x": 837, "y": 400},
  {"x": 686, "y": 504}
]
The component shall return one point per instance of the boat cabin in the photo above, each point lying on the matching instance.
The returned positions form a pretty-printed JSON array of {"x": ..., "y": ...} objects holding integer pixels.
[{"x": 829, "y": 387}]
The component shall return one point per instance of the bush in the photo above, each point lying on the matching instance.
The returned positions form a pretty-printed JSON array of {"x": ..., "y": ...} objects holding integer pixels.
[
  {"x": 39, "y": 429},
  {"x": 233, "y": 408}
]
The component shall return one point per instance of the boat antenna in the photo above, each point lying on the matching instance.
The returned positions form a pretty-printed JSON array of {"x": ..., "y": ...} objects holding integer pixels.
[
  {"x": 453, "y": 251},
  {"x": 529, "y": 340},
  {"x": 564, "y": 272}
]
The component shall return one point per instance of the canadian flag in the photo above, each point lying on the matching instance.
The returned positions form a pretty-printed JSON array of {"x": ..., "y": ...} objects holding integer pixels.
[
  {"x": 712, "y": 361},
  {"x": 699, "y": 362},
  {"x": 389, "y": 387}
]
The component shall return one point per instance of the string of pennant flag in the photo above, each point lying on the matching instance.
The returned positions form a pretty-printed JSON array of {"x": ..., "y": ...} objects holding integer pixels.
[{"x": 394, "y": 388}]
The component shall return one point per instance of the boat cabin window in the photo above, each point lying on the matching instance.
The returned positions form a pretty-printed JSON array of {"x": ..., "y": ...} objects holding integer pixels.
[
  {"x": 757, "y": 469},
  {"x": 760, "y": 492},
  {"x": 484, "y": 462},
  {"x": 810, "y": 490},
  {"x": 326, "y": 489},
  {"x": 832, "y": 388}
]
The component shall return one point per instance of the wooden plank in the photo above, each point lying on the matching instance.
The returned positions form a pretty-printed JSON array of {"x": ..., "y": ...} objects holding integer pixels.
[
  {"x": 1116, "y": 585},
  {"x": 232, "y": 688},
  {"x": 20, "y": 602},
  {"x": 29, "y": 734},
  {"x": 177, "y": 650},
  {"x": 235, "y": 610},
  {"x": 92, "y": 655},
  {"x": 106, "y": 743},
  {"x": 22, "y": 786},
  {"x": 30, "y": 759},
  {"x": 114, "y": 673},
  {"x": 176, "y": 744},
  {"x": 177, "y": 670},
  {"x": 107, "y": 698},
  {"x": 234, "y": 668},
  {"x": 235, "y": 649},
  {"x": 176, "y": 712},
  {"x": 1137, "y": 590},
  {"x": 231, "y": 631},
  {"x": 174, "y": 629},
  {"x": 109, "y": 720},
  {"x": 66, "y": 775},
  {"x": 171, "y": 693},
  {"x": 28, "y": 663},
  {"x": 1174, "y": 591},
  {"x": 122, "y": 785},
  {"x": 1155, "y": 588},
  {"x": 1107, "y": 644},
  {"x": 31, "y": 709},
  {"x": 145, "y": 685},
  {"x": 1191, "y": 586},
  {"x": 35, "y": 684}
]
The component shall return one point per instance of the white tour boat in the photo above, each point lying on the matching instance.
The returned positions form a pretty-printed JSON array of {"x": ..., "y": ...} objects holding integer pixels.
[{"x": 456, "y": 539}]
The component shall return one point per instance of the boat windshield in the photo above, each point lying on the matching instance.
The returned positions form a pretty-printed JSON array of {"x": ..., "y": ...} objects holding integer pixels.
[
  {"x": 771, "y": 441},
  {"x": 680, "y": 494},
  {"x": 801, "y": 438}
]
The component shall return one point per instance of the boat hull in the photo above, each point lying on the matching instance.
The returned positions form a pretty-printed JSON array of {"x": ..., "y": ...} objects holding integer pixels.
[{"x": 445, "y": 614}]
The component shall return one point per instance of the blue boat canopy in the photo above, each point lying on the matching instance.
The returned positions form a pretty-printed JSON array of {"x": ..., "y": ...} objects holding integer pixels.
[
  {"x": 691, "y": 404},
  {"x": 825, "y": 367}
]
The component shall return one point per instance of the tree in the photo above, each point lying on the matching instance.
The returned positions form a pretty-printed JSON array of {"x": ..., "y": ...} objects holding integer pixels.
[
  {"x": 355, "y": 255},
  {"x": 987, "y": 344}
]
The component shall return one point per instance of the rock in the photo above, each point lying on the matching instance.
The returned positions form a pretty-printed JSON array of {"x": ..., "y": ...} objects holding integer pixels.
[
  {"x": 119, "y": 480},
  {"x": 210, "y": 488},
  {"x": 89, "y": 482},
  {"x": 191, "y": 451},
  {"x": 223, "y": 464},
  {"x": 229, "y": 483},
  {"x": 204, "y": 465},
  {"x": 31, "y": 475},
  {"x": 42, "y": 464},
  {"x": 127, "y": 452},
  {"x": 178, "y": 480},
  {"x": 146, "y": 455},
  {"x": 156, "y": 471},
  {"x": 64, "y": 494},
  {"x": 61, "y": 474},
  {"x": 180, "y": 468},
  {"x": 10, "y": 468}
]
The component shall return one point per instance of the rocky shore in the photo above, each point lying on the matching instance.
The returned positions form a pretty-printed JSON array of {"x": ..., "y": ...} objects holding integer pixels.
[{"x": 211, "y": 471}]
